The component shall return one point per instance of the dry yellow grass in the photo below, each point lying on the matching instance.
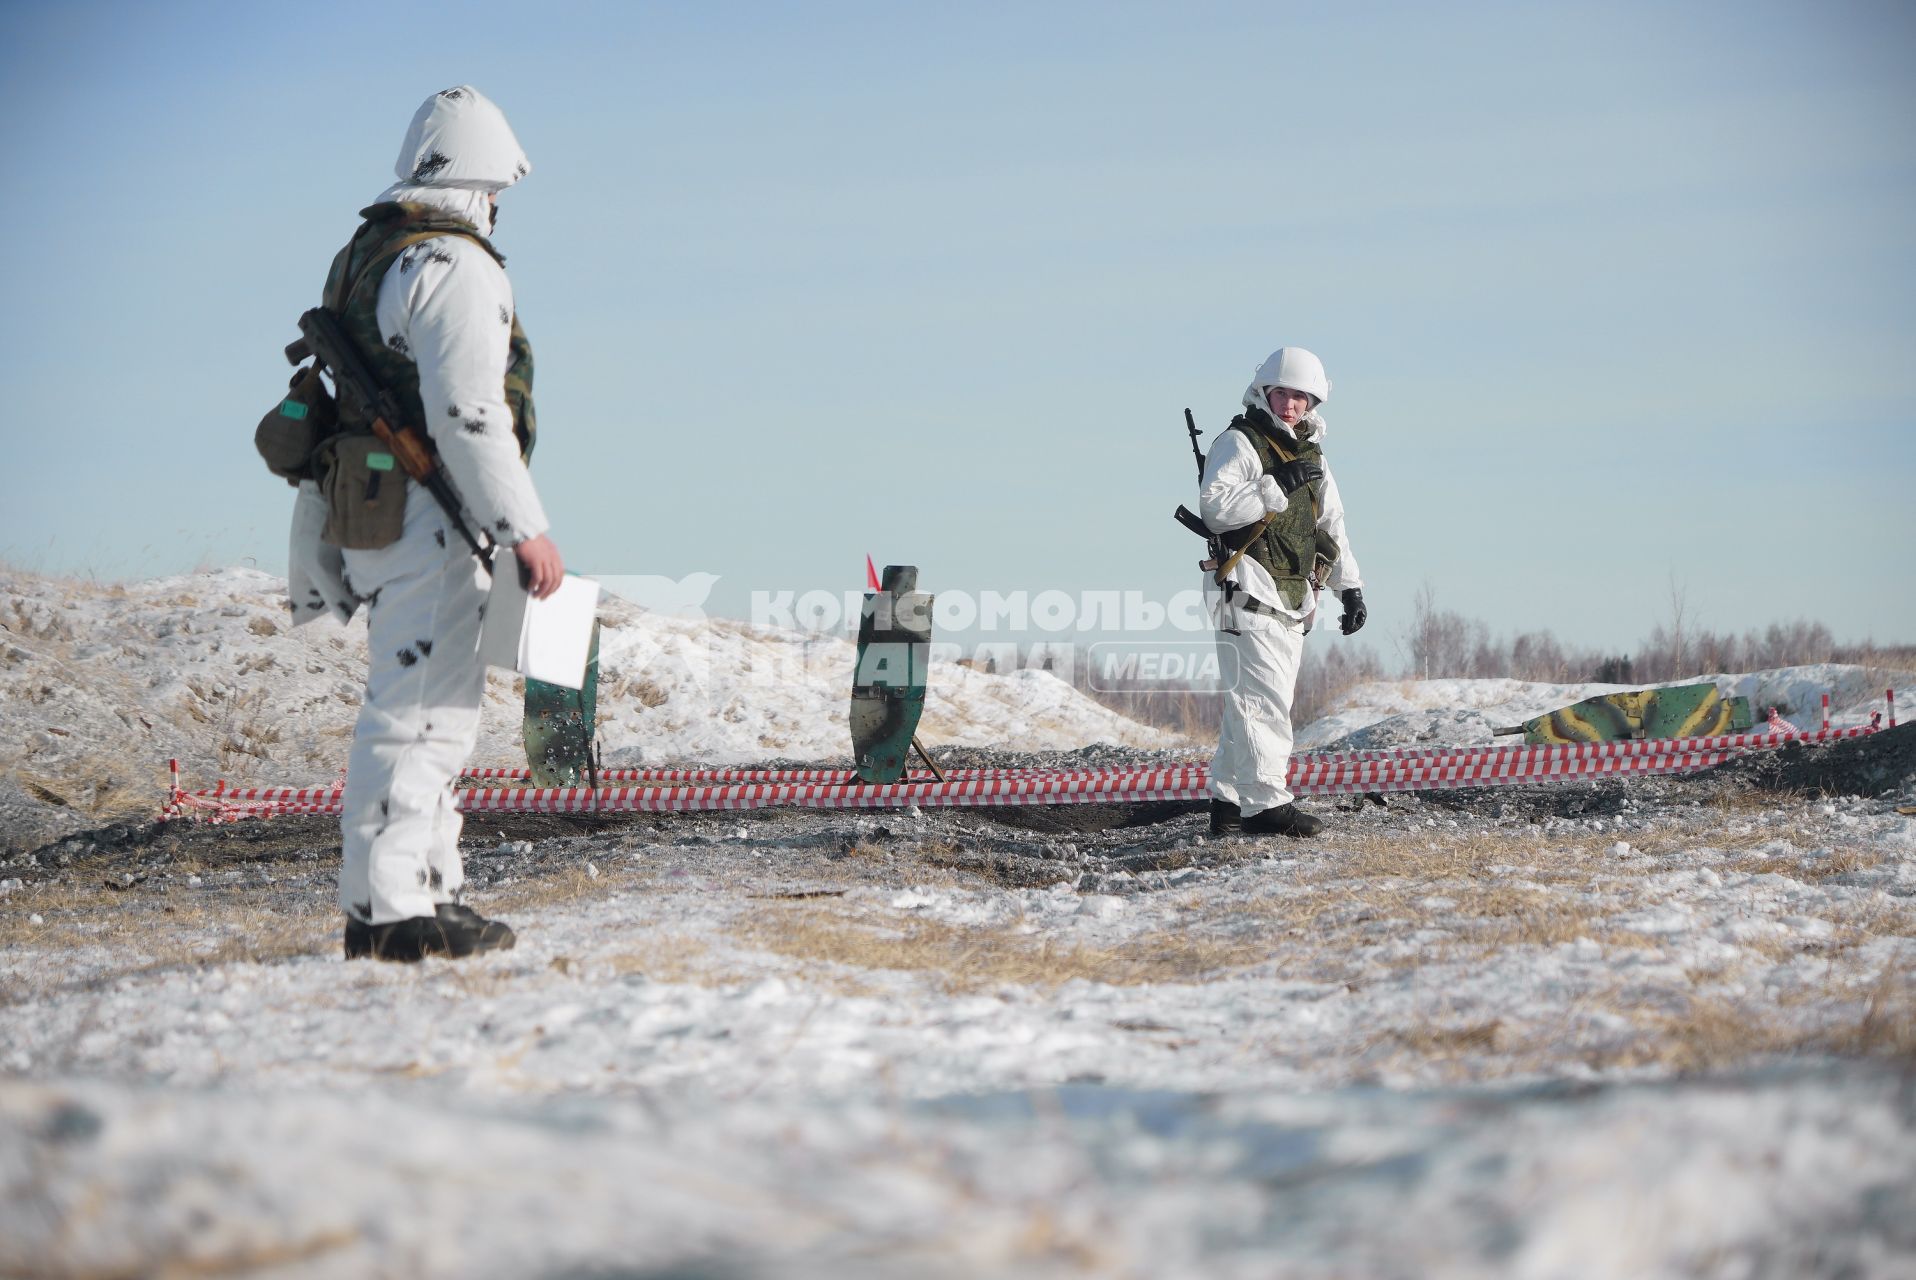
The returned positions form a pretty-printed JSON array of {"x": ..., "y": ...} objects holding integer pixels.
[
  {"x": 563, "y": 888},
  {"x": 1713, "y": 1032},
  {"x": 1719, "y": 1032},
  {"x": 108, "y": 785},
  {"x": 1811, "y": 865},
  {"x": 1422, "y": 859},
  {"x": 1670, "y": 1031},
  {"x": 1845, "y": 861},
  {"x": 1444, "y": 855},
  {"x": 965, "y": 958},
  {"x": 1368, "y": 884},
  {"x": 1856, "y": 923},
  {"x": 1774, "y": 947},
  {"x": 1888, "y": 1025},
  {"x": 672, "y": 957},
  {"x": 1433, "y": 1040},
  {"x": 153, "y": 933}
]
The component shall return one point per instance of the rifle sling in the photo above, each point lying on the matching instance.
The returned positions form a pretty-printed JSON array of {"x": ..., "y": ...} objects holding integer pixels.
[{"x": 350, "y": 285}]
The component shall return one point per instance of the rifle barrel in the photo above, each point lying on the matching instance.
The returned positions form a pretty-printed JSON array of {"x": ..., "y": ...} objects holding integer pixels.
[{"x": 1190, "y": 425}]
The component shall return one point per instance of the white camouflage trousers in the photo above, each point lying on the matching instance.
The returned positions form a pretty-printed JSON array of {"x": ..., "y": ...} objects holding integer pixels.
[
  {"x": 1254, "y": 741},
  {"x": 420, "y": 719}
]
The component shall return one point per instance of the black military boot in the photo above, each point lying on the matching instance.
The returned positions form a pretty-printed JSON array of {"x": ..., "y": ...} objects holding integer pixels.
[
  {"x": 1285, "y": 820},
  {"x": 453, "y": 930},
  {"x": 1226, "y": 820}
]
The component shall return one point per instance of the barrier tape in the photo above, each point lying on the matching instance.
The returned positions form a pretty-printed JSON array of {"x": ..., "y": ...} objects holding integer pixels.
[
  {"x": 843, "y": 777},
  {"x": 1628, "y": 747},
  {"x": 1332, "y": 773}
]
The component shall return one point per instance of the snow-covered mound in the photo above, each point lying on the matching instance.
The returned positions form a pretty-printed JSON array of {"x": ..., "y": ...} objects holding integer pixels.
[
  {"x": 103, "y": 683},
  {"x": 722, "y": 691},
  {"x": 1397, "y": 713}
]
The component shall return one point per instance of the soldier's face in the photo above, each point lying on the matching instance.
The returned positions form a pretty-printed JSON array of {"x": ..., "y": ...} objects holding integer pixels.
[{"x": 1287, "y": 406}]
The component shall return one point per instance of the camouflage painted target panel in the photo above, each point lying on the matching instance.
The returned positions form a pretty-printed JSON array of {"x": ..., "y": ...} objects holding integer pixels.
[
  {"x": 1686, "y": 711},
  {"x": 560, "y": 727},
  {"x": 888, "y": 685}
]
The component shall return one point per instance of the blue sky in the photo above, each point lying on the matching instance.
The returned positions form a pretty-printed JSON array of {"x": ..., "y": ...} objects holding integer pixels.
[{"x": 1611, "y": 295}]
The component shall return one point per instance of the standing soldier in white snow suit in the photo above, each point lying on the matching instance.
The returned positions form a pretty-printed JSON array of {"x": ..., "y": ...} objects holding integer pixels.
[
  {"x": 1269, "y": 470},
  {"x": 424, "y": 296}
]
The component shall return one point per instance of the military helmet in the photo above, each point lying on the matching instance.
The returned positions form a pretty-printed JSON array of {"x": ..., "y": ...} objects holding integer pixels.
[{"x": 1296, "y": 368}]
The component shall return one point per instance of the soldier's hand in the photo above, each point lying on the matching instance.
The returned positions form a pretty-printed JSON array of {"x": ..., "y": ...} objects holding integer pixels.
[
  {"x": 543, "y": 570},
  {"x": 1295, "y": 474},
  {"x": 1354, "y": 611}
]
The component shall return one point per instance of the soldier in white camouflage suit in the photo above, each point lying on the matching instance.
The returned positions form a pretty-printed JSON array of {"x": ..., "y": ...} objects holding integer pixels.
[
  {"x": 426, "y": 299},
  {"x": 1269, "y": 469}
]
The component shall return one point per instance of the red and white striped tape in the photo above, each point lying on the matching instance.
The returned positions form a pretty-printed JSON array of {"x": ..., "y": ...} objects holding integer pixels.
[
  {"x": 1334, "y": 773},
  {"x": 1628, "y": 747},
  {"x": 1635, "y": 747},
  {"x": 844, "y": 777}
]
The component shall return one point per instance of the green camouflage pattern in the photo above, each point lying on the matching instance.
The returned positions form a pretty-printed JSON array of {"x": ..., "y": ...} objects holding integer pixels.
[
  {"x": 561, "y": 726},
  {"x": 888, "y": 684},
  {"x": 525, "y": 422},
  {"x": 352, "y": 292},
  {"x": 1685, "y": 711},
  {"x": 1292, "y": 545}
]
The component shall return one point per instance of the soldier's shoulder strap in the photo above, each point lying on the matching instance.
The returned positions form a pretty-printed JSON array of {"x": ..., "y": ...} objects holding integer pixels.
[
  {"x": 1271, "y": 451},
  {"x": 348, "y": 281},
  {"x": 1271, "y": 448}
]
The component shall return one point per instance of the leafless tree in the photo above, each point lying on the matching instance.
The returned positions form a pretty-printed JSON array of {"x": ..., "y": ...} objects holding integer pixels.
[
  {"x": 1679, "y": 606},
  {"x": 1440, "y": 643},
  {"x": 1536, "y": 655}
]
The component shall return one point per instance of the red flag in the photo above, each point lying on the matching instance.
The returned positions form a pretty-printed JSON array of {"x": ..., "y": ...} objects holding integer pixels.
[{"x": 871, "y": 575}]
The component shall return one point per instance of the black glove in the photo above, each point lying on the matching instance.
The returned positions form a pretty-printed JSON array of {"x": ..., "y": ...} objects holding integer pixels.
[
  {"x": 1354, "y": 611},
  {"x": 1295, "y": 474}
]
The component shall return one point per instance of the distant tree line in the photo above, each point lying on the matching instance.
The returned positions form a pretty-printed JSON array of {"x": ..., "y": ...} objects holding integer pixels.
[{"x": 1442, "y": 644}]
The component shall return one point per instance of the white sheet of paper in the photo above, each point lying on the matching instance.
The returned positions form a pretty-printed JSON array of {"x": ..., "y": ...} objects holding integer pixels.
[{"x": 543, "y": 639}]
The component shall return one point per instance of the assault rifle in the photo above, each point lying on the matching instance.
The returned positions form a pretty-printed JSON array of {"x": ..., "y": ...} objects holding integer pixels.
[
  {"x": 1226, "y": 548},
  {"x": 323, "y": 340}
]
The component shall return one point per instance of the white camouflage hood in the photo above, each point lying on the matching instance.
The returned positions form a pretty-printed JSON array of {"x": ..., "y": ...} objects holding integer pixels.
[
  {"x": 459, "y": 138},
  {"x": 458, "y": 152}
]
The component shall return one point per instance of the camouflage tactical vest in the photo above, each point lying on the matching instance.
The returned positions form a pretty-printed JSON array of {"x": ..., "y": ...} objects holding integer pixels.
[
  {"x": 1292, "y": 547},
  {"x": 352, "y": 293}
]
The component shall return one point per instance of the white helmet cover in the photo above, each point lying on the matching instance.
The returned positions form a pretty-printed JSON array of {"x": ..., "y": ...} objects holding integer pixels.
[
  {"x": 459, "y": 138},
  {"x": 1292, "y": 367}
]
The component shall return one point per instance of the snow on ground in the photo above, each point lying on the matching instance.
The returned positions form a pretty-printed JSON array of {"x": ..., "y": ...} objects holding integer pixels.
[
  {"x": 1634, "y": 1029},
  {"x": 103, "y": 683},
  {"x": 1798, "y": 1176},
  {"x": 1527, "y": 1041},
  {"x": 723, "y": 692},
  {"x": 1390, "y": 713},
  {"x": 1554, "y": 943}
]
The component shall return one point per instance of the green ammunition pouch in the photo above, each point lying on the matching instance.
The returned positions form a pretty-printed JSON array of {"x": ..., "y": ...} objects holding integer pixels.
[
  {"x": 1325, "y": 560},
  {"x": 292, "y": 429},
  {"x": 1296, "y": 553},
  {"x": 365, "y": 492}
]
